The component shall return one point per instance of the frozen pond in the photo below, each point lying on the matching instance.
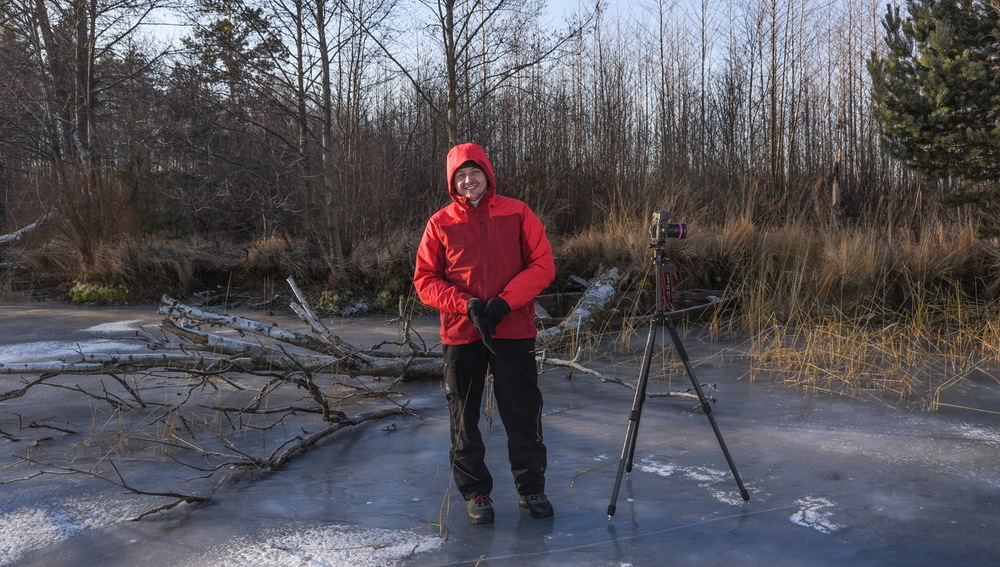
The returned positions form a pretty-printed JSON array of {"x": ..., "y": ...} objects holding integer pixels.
[{"x": 833, "y": 481}]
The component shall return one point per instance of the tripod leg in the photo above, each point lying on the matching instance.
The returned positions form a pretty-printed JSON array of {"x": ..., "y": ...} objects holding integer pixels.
[
  {"x": 682, "y": 353},
  {"x": 631, "y": 433},
  {"x": 640, "y": 395}
]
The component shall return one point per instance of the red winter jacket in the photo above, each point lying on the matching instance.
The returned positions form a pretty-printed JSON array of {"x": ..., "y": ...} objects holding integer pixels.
[{"x": 496, "y": 250}]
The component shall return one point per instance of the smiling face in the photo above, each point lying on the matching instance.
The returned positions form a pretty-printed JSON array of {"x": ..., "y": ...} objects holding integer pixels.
[{"x": 470, "y": 182}]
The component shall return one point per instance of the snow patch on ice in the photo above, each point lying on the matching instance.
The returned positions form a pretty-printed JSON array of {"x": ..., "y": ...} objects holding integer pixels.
[
  {"x": 704, "y": 477},
  {"x": 29, "y": 529},
  {"x": 332, "y": 546},
  {"x": 975, "y": 433},
  {"x": 114, "y": 327},
  {"x": 26, "y": 530},
  {"x": 653, "y": 467},
  {"x": 49, "y": 351},
  {"x": 814, "y": 513}
]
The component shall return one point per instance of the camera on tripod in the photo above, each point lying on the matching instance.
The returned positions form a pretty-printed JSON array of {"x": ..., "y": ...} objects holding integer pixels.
[{"x": 661, "y": 229}]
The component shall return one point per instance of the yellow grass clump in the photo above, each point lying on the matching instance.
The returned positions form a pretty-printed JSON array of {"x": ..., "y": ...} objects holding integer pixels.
[{"x": 904, "y": 314}]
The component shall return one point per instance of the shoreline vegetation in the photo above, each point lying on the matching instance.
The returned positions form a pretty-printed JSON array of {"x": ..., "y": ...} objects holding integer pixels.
[{"x": 905, "y": 315}]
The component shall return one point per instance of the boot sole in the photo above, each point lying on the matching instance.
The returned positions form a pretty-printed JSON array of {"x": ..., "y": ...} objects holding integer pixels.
[{"x": 481, "y": 520}]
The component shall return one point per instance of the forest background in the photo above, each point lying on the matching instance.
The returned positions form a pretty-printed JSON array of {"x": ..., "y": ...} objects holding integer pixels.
[{"x": 285, "y": 137}]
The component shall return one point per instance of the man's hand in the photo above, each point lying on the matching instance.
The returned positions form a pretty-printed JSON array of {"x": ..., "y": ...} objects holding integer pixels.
[
  {"x": 483, "y": 324},
  {"x": 496, "y": 309}
]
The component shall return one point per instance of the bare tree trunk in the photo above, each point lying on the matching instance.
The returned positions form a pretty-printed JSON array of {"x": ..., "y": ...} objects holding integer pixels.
[
  {"x": 446, "y": 14},
  {"x": 332, "y": 198}
]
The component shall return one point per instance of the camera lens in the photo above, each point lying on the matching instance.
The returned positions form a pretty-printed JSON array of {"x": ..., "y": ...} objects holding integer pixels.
[{"x": 675, "y": 230}]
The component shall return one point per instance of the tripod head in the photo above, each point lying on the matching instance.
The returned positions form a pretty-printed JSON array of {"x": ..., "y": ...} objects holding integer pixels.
[{"x": 660, "y": 230}]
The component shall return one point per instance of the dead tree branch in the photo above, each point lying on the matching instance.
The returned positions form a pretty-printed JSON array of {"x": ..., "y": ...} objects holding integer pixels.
[
  {"x": 19, "y": 234},
  {"x": 178, "y": 498},
  {"x": 45, "y": 375},
  {"x": 330, "y": 355},
  {"x": 280, "y": 457}
]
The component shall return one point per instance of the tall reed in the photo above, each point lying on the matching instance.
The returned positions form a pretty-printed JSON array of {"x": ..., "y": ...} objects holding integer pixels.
[{"x": 902, "y": 314}]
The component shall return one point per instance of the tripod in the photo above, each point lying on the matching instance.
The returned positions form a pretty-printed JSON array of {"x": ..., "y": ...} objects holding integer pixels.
[{"x": 660, "y": 319}]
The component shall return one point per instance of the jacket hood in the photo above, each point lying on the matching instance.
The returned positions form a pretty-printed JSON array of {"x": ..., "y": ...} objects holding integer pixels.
[{"x": 469, "y": 152}]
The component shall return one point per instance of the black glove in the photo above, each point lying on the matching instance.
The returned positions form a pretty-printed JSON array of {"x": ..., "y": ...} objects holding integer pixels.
[
  {"x": 496, "y": 310},
  {"x": 482, "y": 323}
]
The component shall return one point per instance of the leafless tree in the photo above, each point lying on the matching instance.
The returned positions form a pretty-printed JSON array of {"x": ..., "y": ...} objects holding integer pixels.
[
  {"x": 484, "y": 45},
  {"x": 74, "y": 56}
]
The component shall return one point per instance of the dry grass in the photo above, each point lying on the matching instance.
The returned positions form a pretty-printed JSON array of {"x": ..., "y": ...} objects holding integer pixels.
[
  {"x": 279, "y": 256},
  {"x": 914, "y": 356},
  {"x": 618, "y": 242},
  {"x": 905, "y": 315},
  {"x": 384, "y": 263},
  {"x": 138, "y": 263}
]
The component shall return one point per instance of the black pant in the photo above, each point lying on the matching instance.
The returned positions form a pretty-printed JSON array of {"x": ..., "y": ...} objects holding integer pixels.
[{"x": 515, "y": 384}]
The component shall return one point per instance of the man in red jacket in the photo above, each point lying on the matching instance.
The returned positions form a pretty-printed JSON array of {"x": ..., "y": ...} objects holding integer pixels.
[{"x": 481, "y": 262}]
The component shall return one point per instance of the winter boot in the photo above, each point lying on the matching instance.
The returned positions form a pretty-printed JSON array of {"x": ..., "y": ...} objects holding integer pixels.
[
  {"x": 480, "y": 509},
  {"x": 537, "y": 504}
]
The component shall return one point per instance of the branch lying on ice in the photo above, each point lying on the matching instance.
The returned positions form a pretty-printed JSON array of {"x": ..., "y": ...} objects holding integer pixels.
[
  {"x": 45, "y": 375},
  {"x": 178, "y": 498},
  {"x": 280, "y": 456},
  {"x": 330, "y": 355},
  {"x": 574, "y": 365}
]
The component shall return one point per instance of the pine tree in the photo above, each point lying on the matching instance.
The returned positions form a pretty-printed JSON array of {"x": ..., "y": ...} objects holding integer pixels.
[{"x": 937, "y": 94}]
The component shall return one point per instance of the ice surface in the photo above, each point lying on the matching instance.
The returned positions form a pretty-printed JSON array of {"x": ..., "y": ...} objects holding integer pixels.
[{"x": 833, "y": 481}]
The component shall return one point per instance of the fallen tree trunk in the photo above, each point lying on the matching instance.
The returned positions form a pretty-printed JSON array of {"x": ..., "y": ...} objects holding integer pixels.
[
  {"x": 101, "y": 363},
  {"x": 332, "y": 356},
  {"x": 19, "y": 234},
  {"x": 601, "y": 291},
  {"x": 280, "y": 350}
]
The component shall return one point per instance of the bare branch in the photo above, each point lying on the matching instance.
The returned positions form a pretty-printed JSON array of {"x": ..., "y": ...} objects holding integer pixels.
[
  {"x": 19, "y": 234},
  {"x": 45, "y": 375},
  {"x": 280, "y": 458}
]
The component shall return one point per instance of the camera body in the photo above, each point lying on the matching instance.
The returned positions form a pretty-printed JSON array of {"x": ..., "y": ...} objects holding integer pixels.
[{"x": 661, "y": 228}]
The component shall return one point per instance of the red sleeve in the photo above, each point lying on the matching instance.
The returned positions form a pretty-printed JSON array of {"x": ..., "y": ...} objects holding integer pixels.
[
  {"x": 428, "y": 278},
  {"x": 540, "y": 268}
]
